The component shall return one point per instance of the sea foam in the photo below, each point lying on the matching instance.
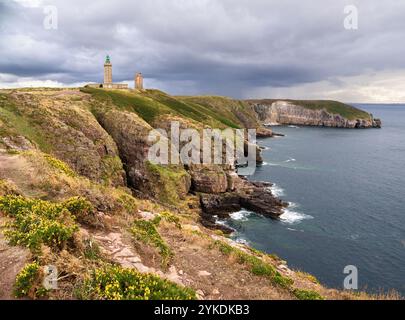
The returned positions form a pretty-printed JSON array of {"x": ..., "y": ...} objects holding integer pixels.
[
  {"x": 276, "y": 190},
  {"x": 291, "y": 216},
  {"x": 242, "y": 215}
]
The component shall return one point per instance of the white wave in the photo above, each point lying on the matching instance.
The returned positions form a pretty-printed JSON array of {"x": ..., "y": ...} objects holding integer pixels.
[
  {"x": 242, "y": 241},
  {"x": 241, "y": 215},
  {"x": 293, "y": 127},
  {"x": 220, "y": 222},
  {"x": 290, "y": 160},
  {"x": 291, "y": 216},
  {"x": 277, "y": 191}
]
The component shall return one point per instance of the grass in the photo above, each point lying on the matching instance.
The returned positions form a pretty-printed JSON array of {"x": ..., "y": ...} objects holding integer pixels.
[
  {"x": 256, "y": 265},
  {"x": 146, "y": 232},
  {"x": 308, "y": 276},
  {"x": 111, "y": 167},
  {"x": 171, "y": 218},
  {"x": 219, "y": 108},
  {"x": 151, "y": 104},
  {"x": 307, "y": 294},
  {"x": 91, "y": 250},
  {"x": 261, "y": 268},
  {"x": 335, "y": 107},
  {"x": 147, "y": 108},
  {"x": 185, "y": 109},
  {"x": 172, "y": 182},
  {"x": 116, "y": 283},
  {"x": 59, "y": 165},
  {"x": 16, "y": 124}
]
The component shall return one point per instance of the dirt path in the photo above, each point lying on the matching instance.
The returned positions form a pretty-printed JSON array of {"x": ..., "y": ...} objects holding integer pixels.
[
  {"x": 12, "y": 260},
  {"x": 122, "y": 251},
  {"x": 215, "y": 275}
]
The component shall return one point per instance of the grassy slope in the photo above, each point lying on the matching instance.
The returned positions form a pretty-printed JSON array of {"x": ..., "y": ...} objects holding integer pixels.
[
  {"x": 334, "y": 107},
  {"x": 214, "y": 111},
  {"x": 13, "y": 123},
  {"x": 149, "y": 104}
]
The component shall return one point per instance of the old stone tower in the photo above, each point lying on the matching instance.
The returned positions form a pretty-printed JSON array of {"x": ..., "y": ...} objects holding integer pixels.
[
  {"x": 107, "y": 73},
  {"x": 108, "y": 81},
  {"x": 139, "y": 81}
]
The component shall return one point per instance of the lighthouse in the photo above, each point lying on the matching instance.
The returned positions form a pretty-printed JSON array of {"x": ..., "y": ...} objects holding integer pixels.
[{"x": 107, "y": 73}]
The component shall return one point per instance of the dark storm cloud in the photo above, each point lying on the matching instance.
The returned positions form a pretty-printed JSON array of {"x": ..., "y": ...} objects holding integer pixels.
[{"x": 220, "y": 47}]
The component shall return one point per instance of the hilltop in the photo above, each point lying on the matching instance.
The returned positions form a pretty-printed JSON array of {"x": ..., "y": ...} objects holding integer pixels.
[{"x": 77, "y": 192}]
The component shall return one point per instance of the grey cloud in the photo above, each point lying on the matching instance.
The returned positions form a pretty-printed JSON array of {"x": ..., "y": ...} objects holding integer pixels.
[{"x": 217, "y": 46}]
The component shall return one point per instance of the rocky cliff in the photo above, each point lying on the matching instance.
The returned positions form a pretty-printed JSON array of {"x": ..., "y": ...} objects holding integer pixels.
[
  {"x": 77, "y": 192},
  {"x": 312, "y": 113}
]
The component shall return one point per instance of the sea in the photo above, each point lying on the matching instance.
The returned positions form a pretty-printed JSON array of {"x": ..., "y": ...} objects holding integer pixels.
[{"x": 346, "y": 189}]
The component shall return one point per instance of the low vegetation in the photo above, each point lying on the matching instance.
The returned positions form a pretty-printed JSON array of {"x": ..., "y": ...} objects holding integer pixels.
[
  {"x": 151, "y": 104},
  {"x": 27, "y": 280},
  {"x": 307, "y": 294},
  {"x": 36, "y": 222},
  {"x": 147, "y": 108},
  {"x": 259, "y": 267},
  {"x": 13, "y": 123},
  {"x": 59, "y": 165},
  {"x": 173, "y": 181},
  {"x": 146, "y": 232},
  {"x": 347, "y": 111},
  {"x": 256, "y": 265},
  {"x": 116, "y": 283}
]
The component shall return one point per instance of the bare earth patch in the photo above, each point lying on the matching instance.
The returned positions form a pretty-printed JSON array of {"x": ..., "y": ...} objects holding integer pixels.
[{"x": 12, "y": 260}]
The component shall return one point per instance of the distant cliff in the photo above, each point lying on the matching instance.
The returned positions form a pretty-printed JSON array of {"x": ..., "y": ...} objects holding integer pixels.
[{"x": 312, "y": 113}]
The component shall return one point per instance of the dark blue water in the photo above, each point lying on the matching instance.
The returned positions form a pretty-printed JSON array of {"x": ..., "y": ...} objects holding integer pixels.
[{"x": 347, "y": 189}]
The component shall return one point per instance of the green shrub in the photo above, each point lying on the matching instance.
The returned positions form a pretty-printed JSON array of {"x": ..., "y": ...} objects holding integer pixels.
[
  {"x": 26, "y": 279},
  {"x": 37, "y": 222},
  {"x": 91, "y": 250},
  {"x": 116, "y": 283},
  {"x": 169, "y": 217},
  {"x": 146, "y": 232},
  {"x": 307, "y": 295},
  {"x": 79, "y": 207}
]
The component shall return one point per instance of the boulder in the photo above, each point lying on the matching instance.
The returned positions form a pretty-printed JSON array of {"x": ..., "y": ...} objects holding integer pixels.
[
  {"x": 220, "y": 204},
  {"x": 208, "y": 179}
]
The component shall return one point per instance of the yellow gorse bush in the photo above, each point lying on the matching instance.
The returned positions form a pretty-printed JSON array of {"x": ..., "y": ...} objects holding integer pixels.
[
  {"x": 25, "y": 279},
  {"x": 116, "y": 283},
  {"x": 37, "y": 222}
]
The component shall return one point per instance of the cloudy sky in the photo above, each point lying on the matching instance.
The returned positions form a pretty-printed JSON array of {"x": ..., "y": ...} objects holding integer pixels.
[{"x": 239, "y": 48}]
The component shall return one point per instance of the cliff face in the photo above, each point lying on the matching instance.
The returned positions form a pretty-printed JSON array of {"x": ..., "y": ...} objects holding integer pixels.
[{"x": 291, "y": 113}]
